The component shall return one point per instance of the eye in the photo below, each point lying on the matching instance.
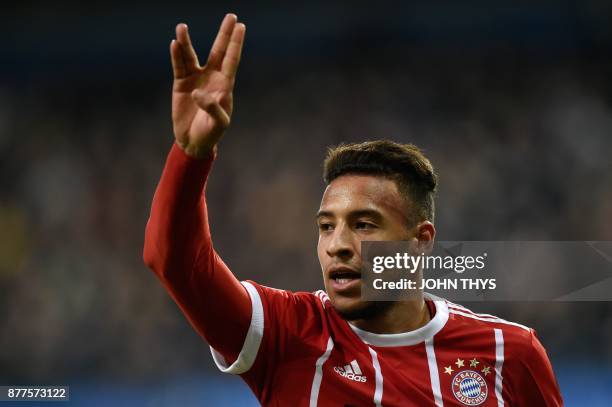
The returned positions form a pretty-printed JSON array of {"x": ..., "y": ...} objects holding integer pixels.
[
  {"x": 361, "y": 225},
  {"x": 325, "y": 227}
]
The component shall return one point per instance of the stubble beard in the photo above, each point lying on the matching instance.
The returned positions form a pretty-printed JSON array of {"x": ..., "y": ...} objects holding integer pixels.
[{"x": 366, "y": 310}]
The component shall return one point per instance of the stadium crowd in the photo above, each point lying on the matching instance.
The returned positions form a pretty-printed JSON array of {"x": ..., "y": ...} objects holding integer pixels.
[{"x": 522, "y": 154}]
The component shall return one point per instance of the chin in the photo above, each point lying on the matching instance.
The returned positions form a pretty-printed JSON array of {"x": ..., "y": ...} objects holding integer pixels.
[{"x": 352, "y": 310}]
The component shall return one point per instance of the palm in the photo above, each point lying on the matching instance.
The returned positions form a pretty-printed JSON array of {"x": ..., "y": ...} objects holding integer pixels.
[
  {"x": 202, "y": 96},
  {"x": 191, "y": 123}
]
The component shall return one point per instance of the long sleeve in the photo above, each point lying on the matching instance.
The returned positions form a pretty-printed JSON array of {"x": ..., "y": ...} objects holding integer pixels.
[{"x": 178, "y": 248}]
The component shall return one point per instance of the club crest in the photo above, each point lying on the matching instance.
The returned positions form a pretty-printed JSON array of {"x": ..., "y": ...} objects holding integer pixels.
[{"x": 469, "y": 387}]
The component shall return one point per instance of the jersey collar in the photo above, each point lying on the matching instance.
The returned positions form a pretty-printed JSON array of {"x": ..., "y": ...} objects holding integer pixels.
[{"x": 409, "y": 338}]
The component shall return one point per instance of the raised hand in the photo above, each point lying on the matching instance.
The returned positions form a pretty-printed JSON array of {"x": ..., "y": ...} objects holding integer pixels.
[{"x": 202, "y": 99}]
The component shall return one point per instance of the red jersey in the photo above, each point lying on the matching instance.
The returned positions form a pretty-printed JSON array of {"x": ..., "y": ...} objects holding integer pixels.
[{"x": 293, "y": 348}]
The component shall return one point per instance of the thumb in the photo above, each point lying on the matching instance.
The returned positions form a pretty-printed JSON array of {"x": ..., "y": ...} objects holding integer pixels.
[{"x": 207, "y": 102}]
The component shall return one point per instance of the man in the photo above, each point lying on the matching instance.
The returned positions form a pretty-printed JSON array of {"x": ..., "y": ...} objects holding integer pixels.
[{"x": 327, "y": 348}]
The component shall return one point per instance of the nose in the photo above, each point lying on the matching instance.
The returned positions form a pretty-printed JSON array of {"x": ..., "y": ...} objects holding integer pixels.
[{"x": 342, "y": 243}]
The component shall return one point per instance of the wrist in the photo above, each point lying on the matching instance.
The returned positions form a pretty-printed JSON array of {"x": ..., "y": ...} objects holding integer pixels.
[{"x": 198, "y": 152}]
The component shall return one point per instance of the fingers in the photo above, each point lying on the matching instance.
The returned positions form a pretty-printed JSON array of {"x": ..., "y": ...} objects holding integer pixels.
[
  {"x": 190, "y": 58},
  {"x": 234, "y": 51},
  {"x": 208, "y": 103},
  {"x": 224, "y": 55},
  {"x": 217, "y": 52},
  {"x": 176, "y": 56}
]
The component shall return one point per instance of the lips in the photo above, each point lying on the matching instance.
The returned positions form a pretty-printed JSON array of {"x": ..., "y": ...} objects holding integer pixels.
[
  {"x": 342, "y": 272},
  {"x": 344, "y": 278}
]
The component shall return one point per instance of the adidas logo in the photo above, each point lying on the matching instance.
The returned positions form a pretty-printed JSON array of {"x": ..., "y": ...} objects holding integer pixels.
[{"x": 351, "y": 372}]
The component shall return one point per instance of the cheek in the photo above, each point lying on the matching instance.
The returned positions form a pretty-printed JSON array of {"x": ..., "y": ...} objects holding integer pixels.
[
  {"x": 321, "y": 253},
  {"x": 320, "y": 248}
]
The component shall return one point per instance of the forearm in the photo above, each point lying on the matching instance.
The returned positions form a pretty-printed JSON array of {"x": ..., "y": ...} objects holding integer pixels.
[
  {"x": 177, "y": 229},
  {"x": 178, "y": 248}
]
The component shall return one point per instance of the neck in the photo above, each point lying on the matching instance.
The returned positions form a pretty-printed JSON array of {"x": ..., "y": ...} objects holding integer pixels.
[{"x": 402, "y": 316}]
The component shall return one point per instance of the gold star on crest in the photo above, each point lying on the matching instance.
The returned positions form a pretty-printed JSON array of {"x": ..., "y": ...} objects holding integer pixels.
[
  {"x": 448, "y": 370},
  {"x": 486, "y": 370},
  {"x": 459, "y": 362},
  {"x": 474, "y": 362}
]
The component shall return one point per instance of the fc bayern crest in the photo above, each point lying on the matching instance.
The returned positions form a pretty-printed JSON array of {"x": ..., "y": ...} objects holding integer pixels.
[{"x": 470, "y": 388}]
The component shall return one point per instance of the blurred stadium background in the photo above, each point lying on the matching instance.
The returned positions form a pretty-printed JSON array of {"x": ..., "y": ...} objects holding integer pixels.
[{"x": 512, "y": 102}]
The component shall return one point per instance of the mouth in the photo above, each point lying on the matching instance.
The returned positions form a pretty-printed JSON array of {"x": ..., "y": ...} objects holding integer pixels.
[{"x": 344, "y": 278}]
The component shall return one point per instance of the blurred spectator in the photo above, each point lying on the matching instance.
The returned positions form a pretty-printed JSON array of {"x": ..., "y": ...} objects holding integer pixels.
[{"x": 522, "y": 150}]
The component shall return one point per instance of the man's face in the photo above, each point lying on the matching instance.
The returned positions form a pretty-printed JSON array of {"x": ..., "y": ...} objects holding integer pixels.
[{"x": 356, "y": 208}]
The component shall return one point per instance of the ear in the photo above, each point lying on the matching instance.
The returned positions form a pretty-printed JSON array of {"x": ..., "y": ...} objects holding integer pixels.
[{"x": 425, "y": 233}]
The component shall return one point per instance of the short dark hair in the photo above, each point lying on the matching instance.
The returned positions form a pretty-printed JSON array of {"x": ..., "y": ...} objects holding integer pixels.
[{"x": 404, "y": 163}]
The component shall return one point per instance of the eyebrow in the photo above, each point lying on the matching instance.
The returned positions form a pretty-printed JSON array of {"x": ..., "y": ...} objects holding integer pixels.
[
  {"x": 323, "y": 214},
  {"x": 354, "y": 214}
]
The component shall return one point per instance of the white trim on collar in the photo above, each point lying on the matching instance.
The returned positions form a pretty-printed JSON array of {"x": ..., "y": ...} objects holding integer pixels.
[{"x": 409, "y": 338}]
